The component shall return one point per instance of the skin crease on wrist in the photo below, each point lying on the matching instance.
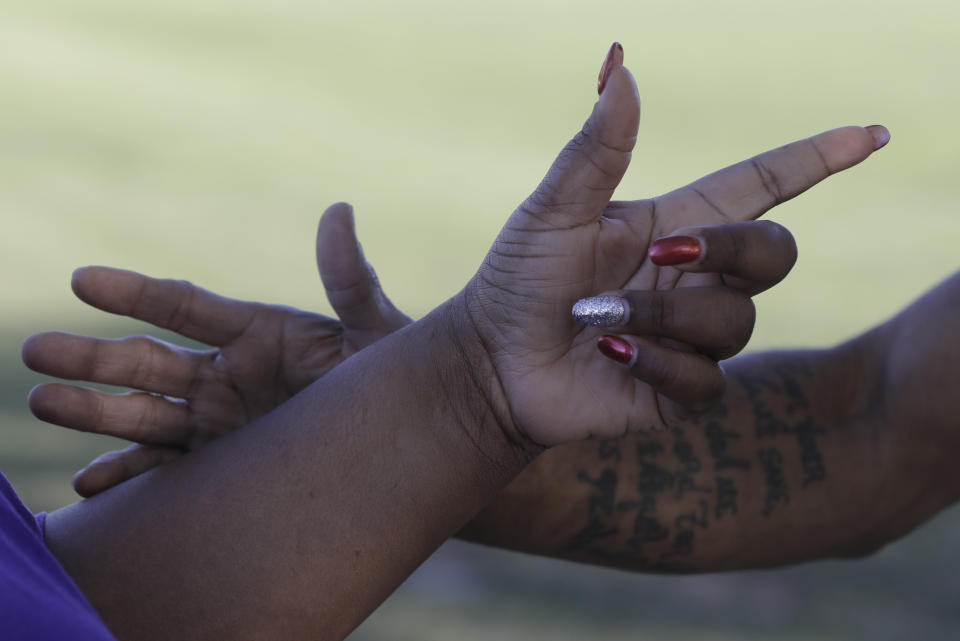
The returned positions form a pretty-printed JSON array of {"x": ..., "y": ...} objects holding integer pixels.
[{"x": 355, "y": 481}]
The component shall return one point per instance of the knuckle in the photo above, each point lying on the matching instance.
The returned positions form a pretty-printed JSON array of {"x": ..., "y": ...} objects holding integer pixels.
[
  {"x": 607, "y": 159},
  {"x": 780, "y": 237},
  {"x": 650, "y": 366},
  {"x": 741, "y": 311},
  {"x": 659, "y": 312},
  {"x": 734, "y": 244},
  {"x": 747, "y": 322},
  {"x": 180, "y": 313},
  {"x": 768, "y": 180},
  {"x": 184, "y": 284},
  {"x": 142, "y": 370},
  {"x": 139, "y": 341},
  {"x": 657, "y": 374},
  {"x": 737, "y": 324},
  {"x": 543, "y": 199},
  {"x": 709, "y": 392},
  {"x": 789, "y": 249},
  {"x": 97, "y": 411},
  {"x": 714, "y": 388}
]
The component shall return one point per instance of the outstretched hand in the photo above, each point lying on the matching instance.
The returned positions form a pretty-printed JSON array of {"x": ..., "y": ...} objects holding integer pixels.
[
  {"x": 684, "y": 298},
  {"x": 261, "y": 356},
  {"x": 568, "y": 241}
]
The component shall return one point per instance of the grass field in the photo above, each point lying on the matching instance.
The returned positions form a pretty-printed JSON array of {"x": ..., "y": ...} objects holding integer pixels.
[{"x": 201, "y": 139}]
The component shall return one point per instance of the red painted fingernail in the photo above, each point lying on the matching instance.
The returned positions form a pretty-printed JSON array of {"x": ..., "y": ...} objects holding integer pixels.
[
  {"x": 674, "y": 250},
  {"x": 881, "y": 135},
  {"x": 614, "y": 57},
  {"x": 615, "y": 348}
]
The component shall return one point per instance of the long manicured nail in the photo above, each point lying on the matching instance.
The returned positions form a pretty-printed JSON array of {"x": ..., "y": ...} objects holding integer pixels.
[
  {"x": 881, "y": 135},
  {"x": 601, "y": 311},
  {"x": 674, "y": 250},
  {"x": 615, "y": 348},
  {"x": 614, "y": 57}
]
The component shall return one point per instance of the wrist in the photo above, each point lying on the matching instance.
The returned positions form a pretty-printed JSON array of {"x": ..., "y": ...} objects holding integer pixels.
[{"x": 469, "y": 385}]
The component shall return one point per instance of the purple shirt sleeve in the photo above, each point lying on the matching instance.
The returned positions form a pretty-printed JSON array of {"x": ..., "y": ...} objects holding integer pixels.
[{"x": 38, "y": 600}]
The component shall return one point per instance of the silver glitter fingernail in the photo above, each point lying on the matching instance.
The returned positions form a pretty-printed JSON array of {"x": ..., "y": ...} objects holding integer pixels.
[{"x": 600, "y": 311}]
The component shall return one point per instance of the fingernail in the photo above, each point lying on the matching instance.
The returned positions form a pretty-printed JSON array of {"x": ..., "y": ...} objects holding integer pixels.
[
  {"x": 615, "y": 348},
  {"x": 600, "y": 311},
  {"x": 614, "y": 57},
  {"x": 881, "y": 135},
  {"x": 674, "y": 250}
]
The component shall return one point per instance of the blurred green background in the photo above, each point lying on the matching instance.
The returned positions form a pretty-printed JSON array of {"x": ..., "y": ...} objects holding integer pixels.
[{"x": 202, "y": 139}]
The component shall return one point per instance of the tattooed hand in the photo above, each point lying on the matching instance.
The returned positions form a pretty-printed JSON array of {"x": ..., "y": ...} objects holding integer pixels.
[{"x": 812, "y": 454}]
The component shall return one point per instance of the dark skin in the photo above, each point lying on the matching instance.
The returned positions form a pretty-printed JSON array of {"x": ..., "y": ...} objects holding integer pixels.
[
  {"x": 806, "y": 413},
  {"x": 263, "y": 355},
  {"x": 379, "y": 461},
  {"x": 301, "y": 522},
  {"x": 584, "y": 501},
  {"x": 257, "y": 365}
]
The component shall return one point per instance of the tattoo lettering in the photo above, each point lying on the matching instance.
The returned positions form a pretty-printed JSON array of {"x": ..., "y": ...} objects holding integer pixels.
[
  {"x": 606, "y": 485},
  {"x": 810, "y": 458},
  {"x": 646, "y": 530},
  {"x": 776, "y": 486},
  {"x": 682, "y": 544},
  {"x": 795, "y": 419},
  {"x": 688, "y": 479},
  {"x": 719, "y": 440},
  {"x": 726, "y": 497},
  {"x": 600, "y": 505},
  {"x": 693, "y": 519},
  {"x": 683, "y": 450},
  {"x": 594, "y": 530},
  {"x": 654, "y": 478},
  {"x": 609, "y": 449}
]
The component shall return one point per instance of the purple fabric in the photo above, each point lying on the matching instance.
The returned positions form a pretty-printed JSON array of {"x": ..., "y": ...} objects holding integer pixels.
[{"x": 38, "y": 600}]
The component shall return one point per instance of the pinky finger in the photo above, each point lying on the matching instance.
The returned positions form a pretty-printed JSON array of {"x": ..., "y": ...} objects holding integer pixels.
[
  {"x": 692, "y": 381},
  {"x": 114, "y": 468}
]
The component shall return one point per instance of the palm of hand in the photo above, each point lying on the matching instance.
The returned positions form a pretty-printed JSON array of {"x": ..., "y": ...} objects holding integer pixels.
[
  {"x": 568, "y": 241},
  {"x": 542, "y": 358}
]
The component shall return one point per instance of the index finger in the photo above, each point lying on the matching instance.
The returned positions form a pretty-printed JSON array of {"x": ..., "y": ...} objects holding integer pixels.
[
  {"x": 177, "y": 305},
  {"x": 750, "y": 188}
]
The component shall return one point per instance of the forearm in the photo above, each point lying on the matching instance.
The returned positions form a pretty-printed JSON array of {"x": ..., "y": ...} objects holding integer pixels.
[
  {"x": 791, "y": 467},
  {"x": 301, "y": 523}
]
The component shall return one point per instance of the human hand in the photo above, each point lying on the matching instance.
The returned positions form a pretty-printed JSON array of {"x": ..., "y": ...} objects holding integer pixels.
[
  {"x": 262, "y": 355},
  {"x": 568, "y": 241}
]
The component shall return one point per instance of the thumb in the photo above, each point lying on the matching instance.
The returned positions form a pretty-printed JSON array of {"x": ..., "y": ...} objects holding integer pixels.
[
  {"x": 582, "y": 179},
  {"x": 350, "y": 282}
]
